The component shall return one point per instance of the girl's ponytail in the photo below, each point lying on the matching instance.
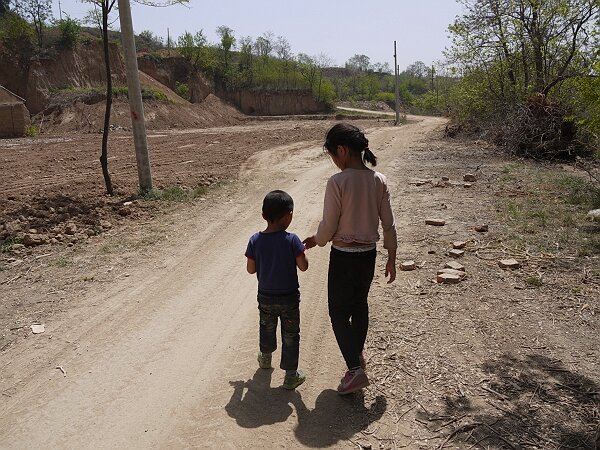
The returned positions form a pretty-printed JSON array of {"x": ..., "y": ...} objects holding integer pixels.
[{"x": 369, "y": 156}]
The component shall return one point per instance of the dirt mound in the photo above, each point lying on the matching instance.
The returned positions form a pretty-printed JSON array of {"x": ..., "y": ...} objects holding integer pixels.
[{"x": 159, "y": 115}]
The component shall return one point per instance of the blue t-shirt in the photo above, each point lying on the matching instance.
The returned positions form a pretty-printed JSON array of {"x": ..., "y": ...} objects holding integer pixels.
[{"x": 275, "y": 257}]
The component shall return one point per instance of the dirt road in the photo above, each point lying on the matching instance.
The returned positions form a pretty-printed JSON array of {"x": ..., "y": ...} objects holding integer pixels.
[
  {"x": 160, "y": 353},
  {"x": 160, "y": 359}
]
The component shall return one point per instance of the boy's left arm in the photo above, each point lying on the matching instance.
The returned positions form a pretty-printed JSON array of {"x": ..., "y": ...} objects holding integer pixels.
[
  {"x": 302, "y": 262},
  {"x": 250, "y": 265}
]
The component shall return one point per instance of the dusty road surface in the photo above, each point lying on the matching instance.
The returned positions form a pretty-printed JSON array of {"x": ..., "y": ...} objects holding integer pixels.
[{"x": 160, "y": 351}]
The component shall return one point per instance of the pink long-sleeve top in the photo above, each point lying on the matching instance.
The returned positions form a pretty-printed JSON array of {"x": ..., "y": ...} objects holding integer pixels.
[{"x": 355, "y": 201}]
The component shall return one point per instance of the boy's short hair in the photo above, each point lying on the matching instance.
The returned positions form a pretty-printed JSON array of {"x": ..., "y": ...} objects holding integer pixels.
[{"x": 276, "y": 205}]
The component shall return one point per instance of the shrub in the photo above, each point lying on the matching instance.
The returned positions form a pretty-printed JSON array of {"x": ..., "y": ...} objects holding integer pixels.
[
  {"x": 69, "y": 32},
  {"x": 31, "y": 131},
  {"x": 183, "y": 90},
  {"x": 16, "y": 37}
]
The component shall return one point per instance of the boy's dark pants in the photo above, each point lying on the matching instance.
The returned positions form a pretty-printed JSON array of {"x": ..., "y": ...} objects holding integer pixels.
[
  {"x": 288, "y": 309},
  {"x": 349, "y": 279}
]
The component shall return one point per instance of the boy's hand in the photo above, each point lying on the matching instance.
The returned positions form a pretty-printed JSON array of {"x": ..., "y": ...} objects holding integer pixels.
[
  {"x": 309, "y": 242},
  {"x": 390, "y": 269}
]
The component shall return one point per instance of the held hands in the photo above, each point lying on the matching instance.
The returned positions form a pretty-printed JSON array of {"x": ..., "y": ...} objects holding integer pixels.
[{"x": 309, "y": 242}]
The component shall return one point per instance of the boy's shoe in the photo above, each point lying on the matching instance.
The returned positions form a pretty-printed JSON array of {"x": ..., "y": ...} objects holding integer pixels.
[
  {"x": 362, "y": 361},
  {"x": 293, "y": 381},
  {"x": 264, "y": 360},
  {"x": 353, "y": 381}
]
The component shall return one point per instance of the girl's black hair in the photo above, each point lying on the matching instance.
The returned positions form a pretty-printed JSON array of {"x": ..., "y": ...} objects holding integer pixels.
[{"x": 351, "y": 137}]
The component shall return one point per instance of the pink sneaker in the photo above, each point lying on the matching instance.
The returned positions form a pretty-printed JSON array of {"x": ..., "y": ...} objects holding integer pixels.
[{"x": 352, "y": 382}]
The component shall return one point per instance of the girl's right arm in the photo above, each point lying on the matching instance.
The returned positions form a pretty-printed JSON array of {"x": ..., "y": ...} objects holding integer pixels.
[{"x": 332, "y": 209}]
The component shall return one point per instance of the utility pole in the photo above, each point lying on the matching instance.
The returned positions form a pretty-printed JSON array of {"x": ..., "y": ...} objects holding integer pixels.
[
  {"x": 135, "y": 98},
  {"x": 397, "y": 89}
]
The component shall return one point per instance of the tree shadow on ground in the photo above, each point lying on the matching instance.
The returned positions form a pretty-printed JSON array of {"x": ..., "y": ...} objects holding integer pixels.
[
  {"x": 254, "y": 403},
  {"x": 533, "y": 401}
]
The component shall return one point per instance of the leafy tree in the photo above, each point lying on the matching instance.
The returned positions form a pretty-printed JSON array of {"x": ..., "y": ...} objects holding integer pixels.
[
  {"x": 226, "y": 44},
  {"x": 4, "y": 7},
  {"x": 192, "y": 47},
  {"x": 16, "y": 40},
  {"x": 359, "y": 62},
  {"x": 149, "y": 41},
  {"x": 39, "y": 12},
  {"x": 525, "y": 46},
  {"x": 418, "y": 69}
]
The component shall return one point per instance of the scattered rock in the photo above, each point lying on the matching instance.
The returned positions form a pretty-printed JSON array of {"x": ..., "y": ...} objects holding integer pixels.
[
  {"x": 70, "y": 229},
  {"x": 435, "y": 222},
  {"x": 448, "y": 278},
  {"x": 456, "y": 253},
  {"x": 37, "y": 328},
  {"x": 431, "y": 252},
  {"x": 105, "y": 224},
  {"x": 454, "y": 265},
  {"x": 467, "y": 185},
  {"x": 31, "y": 240},
  {"x": 459, "y": 244},
  {"x": 593, "y": 215},
  {"x": 469, "y": 177},
  {"x": 509, "y": 264},
  {"x": 125, "y": 211},
  {"x": 459, "y": 273},
  {"x": 17, "y": 248},
  {"x": 408, "y": 265},
  {"x": 445, "y": 179},
  {"x": 482, "y": 228}
]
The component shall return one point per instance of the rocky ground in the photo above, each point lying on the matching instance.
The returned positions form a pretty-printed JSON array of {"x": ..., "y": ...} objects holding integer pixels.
[{"x": 500, "y": 357}]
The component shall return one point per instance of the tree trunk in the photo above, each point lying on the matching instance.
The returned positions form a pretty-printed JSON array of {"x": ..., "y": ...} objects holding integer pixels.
[{"x": 104, "y": 154}]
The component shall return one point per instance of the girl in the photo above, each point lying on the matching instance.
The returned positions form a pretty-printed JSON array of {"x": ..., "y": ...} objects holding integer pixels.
[{"x": 356, "y": 199}]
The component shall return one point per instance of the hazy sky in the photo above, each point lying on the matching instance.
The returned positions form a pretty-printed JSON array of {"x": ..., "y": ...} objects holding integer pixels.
[{"x": 339, "y": 29}]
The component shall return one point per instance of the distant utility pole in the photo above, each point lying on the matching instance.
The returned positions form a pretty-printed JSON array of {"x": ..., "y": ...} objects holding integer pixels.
[
  {"x": 397, "y": 87},
  {"x": 135, "y": 98}
]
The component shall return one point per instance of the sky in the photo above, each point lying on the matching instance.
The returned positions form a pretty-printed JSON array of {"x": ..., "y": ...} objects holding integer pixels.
[{"x": 338, "y": 29}]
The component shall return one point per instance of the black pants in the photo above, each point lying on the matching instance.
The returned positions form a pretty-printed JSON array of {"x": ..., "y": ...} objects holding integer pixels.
[
  {"x": 349, "y": 279},
  {"x": 287, "y": 309}
]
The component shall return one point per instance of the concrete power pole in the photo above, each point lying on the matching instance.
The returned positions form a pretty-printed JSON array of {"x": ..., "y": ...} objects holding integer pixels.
[
  {"x": 135, "y": 98},
  {"x": 397, "y": 87}
]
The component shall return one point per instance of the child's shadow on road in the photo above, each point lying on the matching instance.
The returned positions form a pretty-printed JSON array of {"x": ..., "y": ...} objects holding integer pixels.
[
  {"x": 333, "y": 418},
  {"x": 261, "y": 404}
]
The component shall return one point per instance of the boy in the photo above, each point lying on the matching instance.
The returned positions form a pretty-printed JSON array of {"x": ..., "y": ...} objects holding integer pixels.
[{"x": 273, "y": 255}]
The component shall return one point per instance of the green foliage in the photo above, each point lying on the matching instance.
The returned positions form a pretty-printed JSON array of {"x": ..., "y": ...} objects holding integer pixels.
[
  {"x": 183, "y": 90},
  {"x": 16, "y": 37},
  {"x": 31, "y": 131},
  {"x": 154, "y": 94},
  {"x": 520, "y": 53},
  {"x": 147, "y": 41},
  {"x": 176, "y": 193},
  {"x": 70, "y": 30},
  {"x": 8, "y": 243},
  {"x": 117, "y": 91},
  {"x": 38, "y": 12}
]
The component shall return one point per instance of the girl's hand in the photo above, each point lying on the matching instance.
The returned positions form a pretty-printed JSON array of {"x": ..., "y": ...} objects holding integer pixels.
[
  {"x": 309, "y": 242},
  {"x": 390, "y": 269}
]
